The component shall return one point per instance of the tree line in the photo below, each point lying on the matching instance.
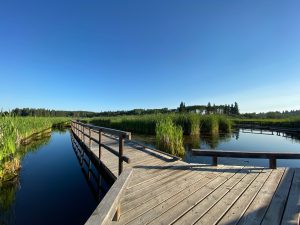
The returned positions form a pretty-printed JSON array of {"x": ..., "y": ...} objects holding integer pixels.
[
  {"x": 232, "y": 109},
  {"x": 200, "y": 109},
  {"x": 227, "y": 109}
]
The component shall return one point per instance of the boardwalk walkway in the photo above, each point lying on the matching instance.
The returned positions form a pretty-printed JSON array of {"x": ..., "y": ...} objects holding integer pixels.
[{"x": 162, "y": 190}]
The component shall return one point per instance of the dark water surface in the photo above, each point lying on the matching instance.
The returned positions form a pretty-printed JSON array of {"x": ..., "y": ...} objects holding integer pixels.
[
  {"x": 52, "y": 187},
  {"x": 238, "y": 140}
]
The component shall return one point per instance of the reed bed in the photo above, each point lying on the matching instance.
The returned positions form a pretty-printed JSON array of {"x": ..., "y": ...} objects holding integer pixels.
[
  {"x": 12, "y": 131},
  {"x": 168, "y": 128},
  {"x": 169, "y": 137},
  {"x": 214, "y": 124},
  {"x": 290, "y": 122},
  {"x": 146, "y": 124}
]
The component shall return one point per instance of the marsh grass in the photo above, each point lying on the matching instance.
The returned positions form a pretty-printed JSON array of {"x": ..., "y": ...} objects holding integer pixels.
[
  {"x": 189, "y": 122},
  {"x": 214, "y": 124},
  {"x": 290, "y": 122},
  {"x": 210, "y": 124},
  {"x": 146, "y": 124},
  {"x": 12, "y": 131},
  {"x": 225, "y": 124},
  {"x": 169, "y": 137}
]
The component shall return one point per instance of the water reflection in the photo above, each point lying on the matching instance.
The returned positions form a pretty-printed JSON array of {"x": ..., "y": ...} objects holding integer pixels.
[
  {"x": 52, "y": 184},
  {"x": 91, "y": 171},
  {"x": 238, "y": 140},
  {"x": 8, "y": 189}
]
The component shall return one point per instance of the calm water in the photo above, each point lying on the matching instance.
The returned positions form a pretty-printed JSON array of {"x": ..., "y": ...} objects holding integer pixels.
[
  {"x": 53, "y": 187},
  {"x": 239, "y": 140}
]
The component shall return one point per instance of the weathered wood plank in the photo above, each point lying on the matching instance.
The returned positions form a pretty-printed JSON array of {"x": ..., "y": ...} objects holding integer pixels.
[
  {"x": 141, "y": 198},
  {"x": 106, "y": 210},
  {"x": 292, "y": 209},
  {"x": 276, "y": 208},
  {"x": 213, "y": 214},
  {"x": 175, "y": 194},
  {"x": 257, "y": 209},
  {"x": 170, "y": 203},
  {"x": 198, "y": 203},
  {"x": 237, "y": 210}
]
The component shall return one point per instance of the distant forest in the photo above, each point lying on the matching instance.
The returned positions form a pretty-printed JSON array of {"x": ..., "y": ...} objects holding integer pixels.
[{"x": 231, "y": 110}]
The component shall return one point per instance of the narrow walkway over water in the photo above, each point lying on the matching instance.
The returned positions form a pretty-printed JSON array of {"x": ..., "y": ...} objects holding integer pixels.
[{"x": 164, "y": 190}]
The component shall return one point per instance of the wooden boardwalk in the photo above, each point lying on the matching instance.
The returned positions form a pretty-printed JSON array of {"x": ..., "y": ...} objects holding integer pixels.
[{"x": 162, "y": 190}]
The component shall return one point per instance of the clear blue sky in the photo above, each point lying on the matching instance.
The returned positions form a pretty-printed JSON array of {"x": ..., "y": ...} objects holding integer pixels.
[{"x": 109, "y": 55}]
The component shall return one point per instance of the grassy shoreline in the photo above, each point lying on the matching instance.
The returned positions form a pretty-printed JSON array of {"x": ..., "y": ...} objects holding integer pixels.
[
  {"x": 191, "y": 124},
  {"x": 290, "y": 122},
  {"x": 15, "y": 131}
]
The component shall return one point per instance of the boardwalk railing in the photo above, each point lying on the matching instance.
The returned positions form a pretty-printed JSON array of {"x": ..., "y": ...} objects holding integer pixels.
[
  {"x": 83, "y": 131},
  {"x": 272, "y": 156},
  {"x": 109, "y": 207}
]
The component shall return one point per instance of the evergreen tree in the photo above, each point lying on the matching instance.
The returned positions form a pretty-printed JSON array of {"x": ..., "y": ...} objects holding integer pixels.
[
  {"x": 208, "y": 108},
  {"x": 236, "y": 109},
  {"x": 181, "y": 107}
]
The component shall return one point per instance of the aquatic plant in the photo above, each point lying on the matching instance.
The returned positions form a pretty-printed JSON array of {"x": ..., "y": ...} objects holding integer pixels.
[
  {"x": 189, "y": 122},
  {"x": 210, "y": 124},
  {"x": 169, "y": 137},
  {"x": 145, "y": 124},
  {"x": 225, "y": 124},
  {"x": 13, "y": 130}
]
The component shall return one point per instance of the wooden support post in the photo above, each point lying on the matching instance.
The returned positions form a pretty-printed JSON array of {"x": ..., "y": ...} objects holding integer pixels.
[
  {"x": 214, "y": 160},
  {"x": 272, "y": 163},
  {"x": 121, "y": 147},
  {"x": 90, "y": 166},
  {"x": 100, "y": 137}
]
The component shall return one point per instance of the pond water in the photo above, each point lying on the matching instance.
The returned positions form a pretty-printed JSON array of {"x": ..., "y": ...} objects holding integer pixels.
[
  {"x": 238, "y": 140},
  {"x": 53, "y": 186}
]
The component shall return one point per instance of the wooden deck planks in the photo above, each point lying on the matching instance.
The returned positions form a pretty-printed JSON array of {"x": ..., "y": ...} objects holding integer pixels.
[
  {"x": 291, "y": 214},
  {"x": 211, "y": 209},
  {"x": 257, "y": 209},
  {"x": 237, "y": 210},
  {"x": 164, "y": 191},
  {"x": 275, "y": 211}
]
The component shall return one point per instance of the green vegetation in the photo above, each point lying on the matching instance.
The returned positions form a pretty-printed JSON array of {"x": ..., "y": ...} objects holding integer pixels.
[
  {"x": 15, "y": 131},
  {"x": 232, "y": 109},
  {"x": 210, "y": 124},
  {"x": 225, "y": 124},
  {"x": 169, "y": 137},
  {"x": 289, "y": 122},
  {"x": 189, "y": 122},
  {"x": 215, "y": 124},
  {"x": 146, "y": 124}
]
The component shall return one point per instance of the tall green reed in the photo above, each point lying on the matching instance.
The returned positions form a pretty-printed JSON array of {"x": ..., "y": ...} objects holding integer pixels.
[{"x": 169, "y": 137}]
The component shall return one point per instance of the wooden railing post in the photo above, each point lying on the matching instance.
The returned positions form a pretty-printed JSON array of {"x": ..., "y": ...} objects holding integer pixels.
[
  {"x": 272, "y": 163},
  {"x": 121, "y": 147},
  {"x": 100, "y": 137},
  {"x": 90, "y": 140},
  {"x": 214, "y": 160},
  {"x": 77, "y": 128},
  {"x": 83, "y": 132}
]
